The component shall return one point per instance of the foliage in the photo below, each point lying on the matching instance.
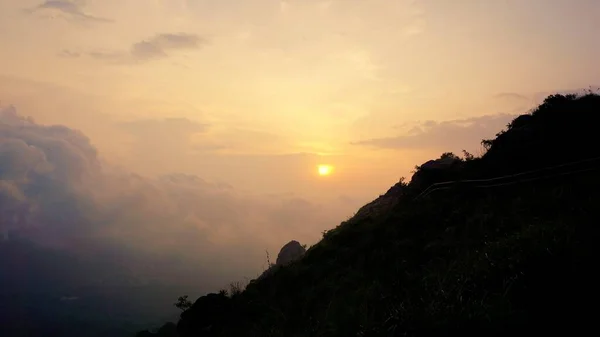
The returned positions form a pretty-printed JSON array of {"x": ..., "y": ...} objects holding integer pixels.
[
  {"x": 235, "y": 288},
  {"x": 183, "y": 303},
  {"x": 449, "y": 155},
  {"x": 492, "y": 261},
  {"x": 269, "y": 263},
  {"x": 467, "y": 156},
  {"x": 487, "y": 144}
]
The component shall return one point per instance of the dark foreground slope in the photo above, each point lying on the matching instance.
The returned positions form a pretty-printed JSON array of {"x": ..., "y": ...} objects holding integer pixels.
[{"x": 515, "y": 257}]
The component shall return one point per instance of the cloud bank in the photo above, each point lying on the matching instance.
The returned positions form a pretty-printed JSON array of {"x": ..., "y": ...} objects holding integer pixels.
[
  {"x": 453, "y": 134},
  {"x": 56, "y": 191}
]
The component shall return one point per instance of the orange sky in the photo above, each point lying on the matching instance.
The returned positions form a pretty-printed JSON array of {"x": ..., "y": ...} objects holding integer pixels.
[{"x": 258, "y": 93}]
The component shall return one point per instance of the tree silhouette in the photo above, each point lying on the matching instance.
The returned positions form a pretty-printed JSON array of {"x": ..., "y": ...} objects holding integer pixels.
[{"x": 183, "y": 303}]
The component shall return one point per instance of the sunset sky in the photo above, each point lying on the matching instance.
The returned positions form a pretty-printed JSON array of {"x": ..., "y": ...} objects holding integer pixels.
[{"x": 255, "y": 94}]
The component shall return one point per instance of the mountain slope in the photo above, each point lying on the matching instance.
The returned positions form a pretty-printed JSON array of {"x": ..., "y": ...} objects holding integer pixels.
[{"x": 465, "y": 260}]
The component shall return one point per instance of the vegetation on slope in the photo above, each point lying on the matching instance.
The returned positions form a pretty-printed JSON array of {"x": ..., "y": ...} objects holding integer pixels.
[{"x": 470, "y": 261}]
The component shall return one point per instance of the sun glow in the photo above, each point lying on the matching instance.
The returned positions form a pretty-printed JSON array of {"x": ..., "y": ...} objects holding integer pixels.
[{"x": 325, "y": 170}]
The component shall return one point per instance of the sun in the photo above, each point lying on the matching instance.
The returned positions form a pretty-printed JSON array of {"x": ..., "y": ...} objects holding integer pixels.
[{"x": 325, "y": 170}]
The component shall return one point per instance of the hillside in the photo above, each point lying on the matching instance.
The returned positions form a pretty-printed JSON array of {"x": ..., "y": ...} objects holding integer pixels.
[{"x": 484, "y": 257}]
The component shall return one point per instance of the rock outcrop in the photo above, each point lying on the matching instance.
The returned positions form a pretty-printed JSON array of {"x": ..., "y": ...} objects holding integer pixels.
[
  {"x": 443, "y": 169},
  {"x": 382, "y": 204},
  {"x": 292, "y": 251}
]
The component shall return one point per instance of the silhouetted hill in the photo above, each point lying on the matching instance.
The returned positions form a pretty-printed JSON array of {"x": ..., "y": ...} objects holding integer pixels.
[{"x": 514, "y": 255}]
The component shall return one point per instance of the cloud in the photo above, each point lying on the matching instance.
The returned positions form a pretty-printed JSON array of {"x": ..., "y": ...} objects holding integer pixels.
[
  {"x": 56, "y": 191},
  {"x": 511, "y": 96},
  {"x": 539, "y": 97},
  {"x": 69, "y": 54},
  {"x": 159, "y": 45},
  {"x": 241, "y": 140},
  {"x": 156, "y": 47},
  {"x": 105, "y": 55},
  {"x": 448, "y": 135},
  {"x": 535, "y": 98},
  {"x": 163, "y": 138},
  {"x": 41, "y": 168},
  {"x": 158, "y": 127},
  {"x": 72, "y": 9},
  {"x": 147, "y": 50}
]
